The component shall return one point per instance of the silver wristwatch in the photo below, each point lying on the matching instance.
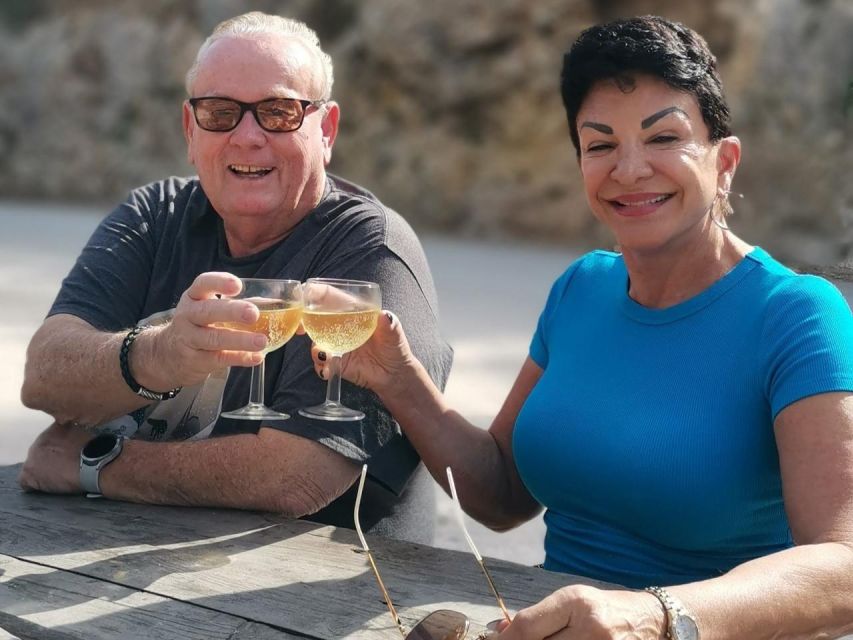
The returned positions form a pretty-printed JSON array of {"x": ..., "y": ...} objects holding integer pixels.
[
  {"x": 680, "y": 625},
  {"x": 94, "y": 456}
]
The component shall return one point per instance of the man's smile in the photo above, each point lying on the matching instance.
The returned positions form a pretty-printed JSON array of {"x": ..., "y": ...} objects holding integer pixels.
[{"x": 249, "y": 170}]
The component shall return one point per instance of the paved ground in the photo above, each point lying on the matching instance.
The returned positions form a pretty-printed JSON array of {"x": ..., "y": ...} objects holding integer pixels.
[{"x": 490, "y": 297}]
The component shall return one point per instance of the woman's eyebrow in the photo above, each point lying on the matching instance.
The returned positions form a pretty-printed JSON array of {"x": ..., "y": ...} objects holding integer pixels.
[
  {"x": 648, "y": 122},
  {"x": 603, "y": 128}
]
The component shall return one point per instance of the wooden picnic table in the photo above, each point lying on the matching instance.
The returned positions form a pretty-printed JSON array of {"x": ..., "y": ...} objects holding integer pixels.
[{"x": 74, "y": 567}]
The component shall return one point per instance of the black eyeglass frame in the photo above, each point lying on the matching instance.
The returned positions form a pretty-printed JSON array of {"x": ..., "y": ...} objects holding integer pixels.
[{"x": 253, "y": 107}]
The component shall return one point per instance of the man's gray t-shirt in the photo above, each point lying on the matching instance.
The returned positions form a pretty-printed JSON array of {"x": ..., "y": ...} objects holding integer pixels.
[{"x": 148, "y": 251}]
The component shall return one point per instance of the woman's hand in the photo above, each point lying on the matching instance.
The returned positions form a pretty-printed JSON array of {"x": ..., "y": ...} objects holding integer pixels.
[
  {"x": 591, "y": 614},
  {"x": 380, "y": 364}
]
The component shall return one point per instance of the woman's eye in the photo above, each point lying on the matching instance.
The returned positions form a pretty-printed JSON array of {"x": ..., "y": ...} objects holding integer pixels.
[
  {"x": 598, "y": 147},
  {"x": 663, "y": 139}
]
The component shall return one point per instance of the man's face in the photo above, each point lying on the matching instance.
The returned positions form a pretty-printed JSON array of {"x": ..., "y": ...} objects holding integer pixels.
[{"x": 255, "y": 177}]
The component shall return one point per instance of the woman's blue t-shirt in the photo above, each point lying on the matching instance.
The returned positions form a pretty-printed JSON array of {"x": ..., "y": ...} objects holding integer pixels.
[{"x": 649, "y": 436}]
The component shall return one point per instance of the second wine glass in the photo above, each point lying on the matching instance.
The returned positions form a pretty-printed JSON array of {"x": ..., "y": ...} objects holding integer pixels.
[
  {"x": 280, "y": 305},
  {"x": 339, "y": 316}
]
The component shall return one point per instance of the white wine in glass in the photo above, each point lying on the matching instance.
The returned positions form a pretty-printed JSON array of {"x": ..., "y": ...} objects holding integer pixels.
[
  {"x": 339, "y": 316},
  {"x": 280, "y": 305},
  {"x": 278, "y": 321}
]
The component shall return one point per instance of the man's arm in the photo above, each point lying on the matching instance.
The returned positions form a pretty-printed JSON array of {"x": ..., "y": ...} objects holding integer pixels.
[
  {"x": 73, "y": 373},
  {"x": 271, "y": 471},
  {"x": 286, "y": 469}
]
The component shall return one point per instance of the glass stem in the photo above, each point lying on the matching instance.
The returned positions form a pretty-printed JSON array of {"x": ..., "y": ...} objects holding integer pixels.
[
  {"x": 256, "y": 388},
  {"x": 333, "y": 389}
]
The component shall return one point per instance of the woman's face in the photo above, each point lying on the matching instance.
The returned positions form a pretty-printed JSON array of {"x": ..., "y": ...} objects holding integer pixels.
[{"x": 649, "y": 171}]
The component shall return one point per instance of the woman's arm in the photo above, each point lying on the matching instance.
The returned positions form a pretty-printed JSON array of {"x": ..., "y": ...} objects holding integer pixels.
[
  {"x": 484, "y": 470},
  {"x": 487, "y": 481}
]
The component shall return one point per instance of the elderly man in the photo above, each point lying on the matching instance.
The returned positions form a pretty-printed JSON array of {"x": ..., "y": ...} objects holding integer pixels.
[{"x": 260, "y": 126}]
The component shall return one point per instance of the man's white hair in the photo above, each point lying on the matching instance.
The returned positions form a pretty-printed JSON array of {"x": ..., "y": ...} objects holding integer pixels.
[{"x": 256, "y": 22}]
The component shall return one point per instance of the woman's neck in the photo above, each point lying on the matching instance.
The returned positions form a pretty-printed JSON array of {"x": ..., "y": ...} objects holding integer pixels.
[{"x": 666, "y": 277}]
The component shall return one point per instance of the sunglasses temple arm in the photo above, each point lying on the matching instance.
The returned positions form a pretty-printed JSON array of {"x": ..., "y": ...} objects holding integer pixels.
[
  {"x": 494, "y": 590},
  {"x": 459, "y": 517},
  {"x": 369, "y": 553},
  {"x": 391, "y": 608}
]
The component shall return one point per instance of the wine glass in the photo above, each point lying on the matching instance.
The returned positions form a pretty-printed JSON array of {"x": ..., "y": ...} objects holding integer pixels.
[
  {"x": 339, "y": 316},
  {"x": 280, "y": 306}
]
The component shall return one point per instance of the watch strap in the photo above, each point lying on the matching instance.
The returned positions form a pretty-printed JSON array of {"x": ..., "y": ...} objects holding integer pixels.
[
  {"x": 90, "y": 469},
  {"x": 673, "y": 608},
  {"x": 89, "y": 474}
]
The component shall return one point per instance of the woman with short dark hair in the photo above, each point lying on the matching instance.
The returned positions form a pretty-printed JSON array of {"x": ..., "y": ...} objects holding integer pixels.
[{"x": 685, "y": 413}]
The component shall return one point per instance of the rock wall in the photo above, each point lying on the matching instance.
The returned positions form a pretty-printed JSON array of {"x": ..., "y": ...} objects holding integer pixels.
[{"x": 451, "y": 111}]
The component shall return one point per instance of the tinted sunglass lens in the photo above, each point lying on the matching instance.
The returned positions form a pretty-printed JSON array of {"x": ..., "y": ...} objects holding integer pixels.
[
  {"x": 440, "y": 625},
  {"x": 280, "y": 115},
  {"x": 217, "y": 115}
]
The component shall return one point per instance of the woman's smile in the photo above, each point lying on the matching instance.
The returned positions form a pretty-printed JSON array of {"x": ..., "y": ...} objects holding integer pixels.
[{"x": 638, "y": 204}]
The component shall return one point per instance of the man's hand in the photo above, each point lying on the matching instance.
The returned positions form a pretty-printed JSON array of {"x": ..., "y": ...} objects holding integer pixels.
[
  {"x": 53, "y": 461},
  {"x": 189, "y": 348},
  {"x": 589, "y": 613}
]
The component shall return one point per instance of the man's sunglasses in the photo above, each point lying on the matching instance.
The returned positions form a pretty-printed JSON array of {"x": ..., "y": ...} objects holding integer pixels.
[
  {"x": 443, "y": 624},
  {"x": 277, "y": 115}
]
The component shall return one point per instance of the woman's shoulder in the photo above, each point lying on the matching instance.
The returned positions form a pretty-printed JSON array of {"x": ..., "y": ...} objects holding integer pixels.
[
  {"x": 792, "y": 297},
  {"x": 783, "y": 285},
  {"x": 587, "y": 274},
  {"x": 595, "y": 264}
]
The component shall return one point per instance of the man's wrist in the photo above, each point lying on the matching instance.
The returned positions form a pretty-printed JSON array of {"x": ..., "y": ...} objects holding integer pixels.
[
  {"x": 146, "y": 366},
  {"x": 96, "y": 455}
]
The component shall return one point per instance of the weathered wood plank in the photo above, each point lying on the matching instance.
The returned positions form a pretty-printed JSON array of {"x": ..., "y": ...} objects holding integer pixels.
[
  {"x": 48, "y": 604},
  {"x": 290, "y": 574},
  {"x": 141, "y": 571}
]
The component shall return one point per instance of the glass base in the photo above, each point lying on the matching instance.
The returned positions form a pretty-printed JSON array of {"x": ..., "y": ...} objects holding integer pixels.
[
  {"x": 331, "y": 411},
  {"x": 255, "y": 411}
]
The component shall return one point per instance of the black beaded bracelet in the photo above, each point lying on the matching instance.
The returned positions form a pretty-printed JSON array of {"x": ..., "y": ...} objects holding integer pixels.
[{"x": 138, "y": 389}]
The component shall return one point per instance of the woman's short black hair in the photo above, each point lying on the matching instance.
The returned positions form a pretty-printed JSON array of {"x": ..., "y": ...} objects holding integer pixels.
[{"x": 648, "y": 45}]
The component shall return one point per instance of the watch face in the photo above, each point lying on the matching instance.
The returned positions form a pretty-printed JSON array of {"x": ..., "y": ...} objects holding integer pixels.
[
  {"x": 685, "y": 628},
  {"x": 100, "y": 446}
]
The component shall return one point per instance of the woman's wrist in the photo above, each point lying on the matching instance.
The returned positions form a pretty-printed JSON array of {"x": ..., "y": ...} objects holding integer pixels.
[
  {"x": 405, "y": 385},
  {"x": 656, "y": 615}
]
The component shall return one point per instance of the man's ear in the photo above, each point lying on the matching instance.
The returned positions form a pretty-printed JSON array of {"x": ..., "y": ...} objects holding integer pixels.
[
  {"x": 188, "y": 123},
  {"x": 329, "y": 126},
  {"x": 728, "y": 159}
]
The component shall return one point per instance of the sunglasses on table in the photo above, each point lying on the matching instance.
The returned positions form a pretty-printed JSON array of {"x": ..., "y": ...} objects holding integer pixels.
[
  {"x": 277, "y": 115},
  {"x": 443, "y": 624}
]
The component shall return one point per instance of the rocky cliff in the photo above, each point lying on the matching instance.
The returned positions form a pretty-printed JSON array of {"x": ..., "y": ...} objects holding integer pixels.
[{"x": 451, "y": 111}]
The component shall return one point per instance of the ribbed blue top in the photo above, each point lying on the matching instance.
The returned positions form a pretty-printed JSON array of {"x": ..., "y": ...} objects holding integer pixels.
[{"x": 649, "y": 437}]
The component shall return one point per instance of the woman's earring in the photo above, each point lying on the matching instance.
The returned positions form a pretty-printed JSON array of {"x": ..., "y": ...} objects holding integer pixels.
[
  {"x": 725, "y": 207},
  {"x": 725, "y": 204},
  {"x": 721, "y": 203}
]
